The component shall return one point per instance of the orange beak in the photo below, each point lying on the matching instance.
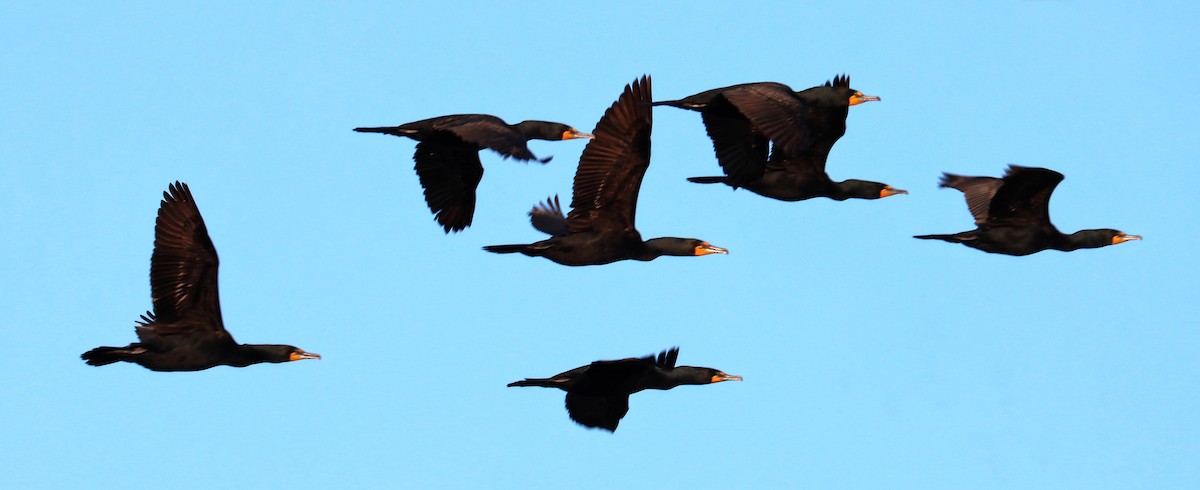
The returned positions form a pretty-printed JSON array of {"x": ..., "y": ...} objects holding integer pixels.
[
  {"x": 1122, "y": 238},
  {"x": 719, "y": 377},
  {"x": 301, "y": 355},
  {"x": 573, "y": 133},
  {"x": 705, "y": 248},
  {"x": 859, "y": 98}
]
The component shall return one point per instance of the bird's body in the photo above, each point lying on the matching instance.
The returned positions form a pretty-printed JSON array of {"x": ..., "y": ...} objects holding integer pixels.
[
  {"x": 447, "y": 156},
  {"x": 1012, "y": 215},
  {"x": 774, "y": 141},
  {"x": 185, "y": 331},
  {"x": 600, "y": 227},
  {"x": 598, "y": 393}
]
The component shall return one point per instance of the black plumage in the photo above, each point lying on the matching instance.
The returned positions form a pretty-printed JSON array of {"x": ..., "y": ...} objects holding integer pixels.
[
  {"x": 774, "y": 141},
  {"x": 185, "y": 331},
  {"x": 1012, "y": 215},
  {"x": 598, "y": 393},
  {"x": 447, "y": 156},
  {"x": 600, "y": 227}
]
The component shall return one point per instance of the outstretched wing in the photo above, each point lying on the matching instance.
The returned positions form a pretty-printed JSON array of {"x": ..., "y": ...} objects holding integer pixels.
[
  {"x": 977, "y": 190},
  {"x": 612, "y": 165},
  {"x": 1025, "y": 196},
  {"x": 183, "y": 267},
  {"x": 449, "y": 172}
]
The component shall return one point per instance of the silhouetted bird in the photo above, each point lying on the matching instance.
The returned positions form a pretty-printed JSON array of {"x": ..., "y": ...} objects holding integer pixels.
[
  {"x": 185, "y": 331},
  {"x": 1012, "y": 215},
  {"x": 447, "y": 156},
  {"x": 775, "y": 142},
  {"x": 598, "y": 393},
  {"x": 600, "y": 228}
]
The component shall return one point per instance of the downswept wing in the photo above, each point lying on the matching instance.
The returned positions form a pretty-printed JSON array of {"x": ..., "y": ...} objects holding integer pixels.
[
  {"x": 183, "y": 268},
  {"x": 600, "y": 398},
  {"x": 449, "y": 173},
  {"x": 1025, "y": 196},
  {"x": 597, "y": 411},
  {"x": 741, "y": 150},
  {"x": 774, "y": 111},
  {"x": 612, "y": 165},
  {"x": 490, "y": 132}
]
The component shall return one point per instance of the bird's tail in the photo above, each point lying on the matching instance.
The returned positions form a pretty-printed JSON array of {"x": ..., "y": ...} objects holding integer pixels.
[
  {"x": 505, "y": 249},
  {"x": 947, "y": 238},
  {"x": 543, "y": 382},
  {"x": 101, "y": 356},
  {"x": 395, "y": 130},
  {"x": 707, "y": 180}
]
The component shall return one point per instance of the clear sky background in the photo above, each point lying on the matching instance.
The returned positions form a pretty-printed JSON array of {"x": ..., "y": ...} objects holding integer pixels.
[{"x": 871, "y": 360}]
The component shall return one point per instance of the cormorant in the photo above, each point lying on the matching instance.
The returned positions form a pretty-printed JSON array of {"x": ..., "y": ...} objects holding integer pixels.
[
  {"x": 447, "y": 156},
  {"x": 774, "y": 142},
  {"x": 600, "y": 227},
  {"x": 1012, "y": 215},
  {"x": 185, "y": 331},
  {"x": 598, "y": 393}
]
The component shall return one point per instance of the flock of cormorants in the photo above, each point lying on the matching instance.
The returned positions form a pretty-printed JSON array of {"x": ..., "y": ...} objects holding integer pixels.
[{"x": 768, "y": 139}]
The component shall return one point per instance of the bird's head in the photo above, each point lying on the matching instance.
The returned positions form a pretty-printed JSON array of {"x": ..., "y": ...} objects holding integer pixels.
[
  {"x": 1118, "y": 236},
  {"x": 681, "y": 247},
  {"x": 865, "y": 189},
  {"x": 552, "y": 131},
  {"x": 837, "y": 92}
]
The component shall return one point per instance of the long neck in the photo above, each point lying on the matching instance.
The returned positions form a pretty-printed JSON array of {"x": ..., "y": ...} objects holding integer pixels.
[
  {"x": 658, "y": 247},
  {"x": 855, "y": 189},
  {"x": 680, "y": 375},
  {"x": 540, "y": 130},
  {"x": 1083, "y": 239},
  {"x": 247, "y": 354}
]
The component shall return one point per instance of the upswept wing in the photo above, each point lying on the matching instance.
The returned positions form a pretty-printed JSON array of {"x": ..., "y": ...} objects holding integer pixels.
[
  {"x": 183, "y": 267},
  {"x": 449, "y": 173},
  {"x": 666, "y": 359},
  {"x": 548, "y": 217},
  {"x": 1025, "y": 196},
  {"x": 612, "y": 165},
  {"x": 978, "y": 192}
]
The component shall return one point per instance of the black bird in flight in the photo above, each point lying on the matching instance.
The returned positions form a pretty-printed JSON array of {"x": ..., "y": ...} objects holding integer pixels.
[
  {"x": 1012, "y": 215},
  {"x": 447, "y": 156},
  {"x": 598, "y": 393},
  {"x": 185, "y": 331},
  {"x": 774, "y": 142},
  {"x": 600, "y": 227}
]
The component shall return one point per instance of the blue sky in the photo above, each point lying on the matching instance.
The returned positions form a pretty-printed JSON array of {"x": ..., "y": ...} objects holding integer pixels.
[{"x": 871, "y": 360}]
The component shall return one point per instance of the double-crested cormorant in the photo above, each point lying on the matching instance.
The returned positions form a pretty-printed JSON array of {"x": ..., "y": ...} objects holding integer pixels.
[
  {"x": 1012, "y": 215},
  {"x": 598, "y": 393},
  {"x": 600, "y": 228},
  {"x": 774, "y": 142},
  {"x": 447, "y": 156},
  {"x": 185, "y": 331}
]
